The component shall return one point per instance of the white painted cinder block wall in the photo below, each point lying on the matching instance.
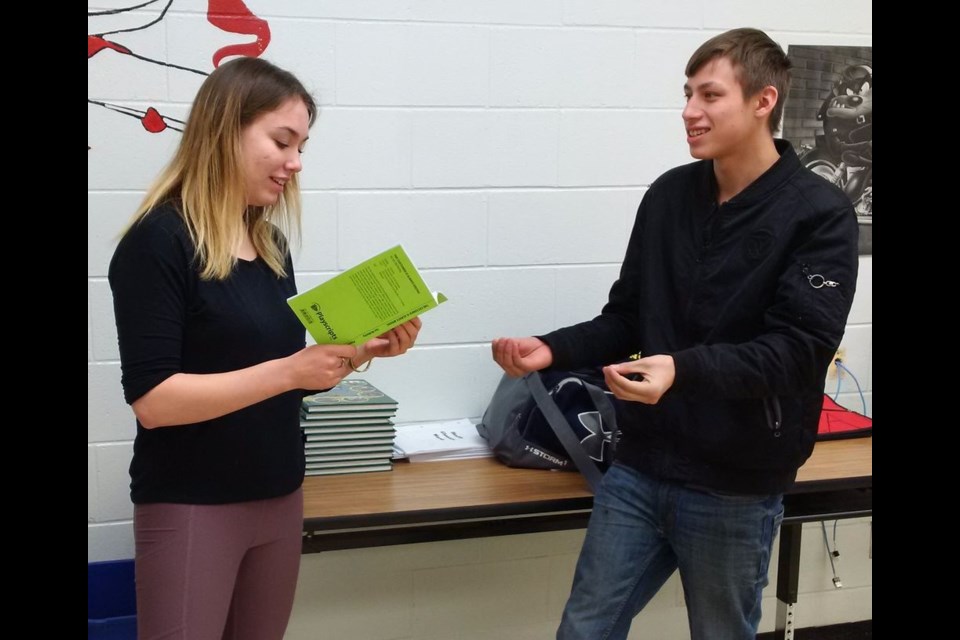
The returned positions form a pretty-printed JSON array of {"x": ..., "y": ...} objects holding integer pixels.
[{"x": 507, "y": 145}]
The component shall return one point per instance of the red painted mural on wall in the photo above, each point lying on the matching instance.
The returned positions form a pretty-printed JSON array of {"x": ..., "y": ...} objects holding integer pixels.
[{"x": 231, "y": 16}]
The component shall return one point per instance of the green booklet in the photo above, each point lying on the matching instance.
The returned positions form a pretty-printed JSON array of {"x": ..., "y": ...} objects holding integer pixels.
[{"x": 365, "y": 301}]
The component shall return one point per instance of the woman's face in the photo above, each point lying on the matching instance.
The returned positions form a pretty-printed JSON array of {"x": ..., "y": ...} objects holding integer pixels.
[{"x": 270, "y": 148}]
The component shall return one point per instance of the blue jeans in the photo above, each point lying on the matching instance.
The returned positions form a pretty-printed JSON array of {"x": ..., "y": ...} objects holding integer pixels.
[{"x": 641, "y": 530}]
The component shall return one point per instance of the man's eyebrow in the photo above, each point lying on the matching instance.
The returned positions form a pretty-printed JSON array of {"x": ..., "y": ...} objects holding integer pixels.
[{"x": 709, "y": 84}]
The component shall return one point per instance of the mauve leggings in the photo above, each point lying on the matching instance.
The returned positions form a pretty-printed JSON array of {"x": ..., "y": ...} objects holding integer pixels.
[{"x": 217, "y": 572}]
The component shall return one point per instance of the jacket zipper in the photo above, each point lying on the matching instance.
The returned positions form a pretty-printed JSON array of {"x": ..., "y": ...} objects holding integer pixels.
[{"x": 771, "y": 406}]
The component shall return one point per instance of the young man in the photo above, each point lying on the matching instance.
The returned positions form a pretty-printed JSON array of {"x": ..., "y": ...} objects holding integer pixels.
[{"x": 735, "y": 290}]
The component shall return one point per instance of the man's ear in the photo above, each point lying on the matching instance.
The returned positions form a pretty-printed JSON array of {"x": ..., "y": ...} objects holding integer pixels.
[{"x": 766, "y": 100}]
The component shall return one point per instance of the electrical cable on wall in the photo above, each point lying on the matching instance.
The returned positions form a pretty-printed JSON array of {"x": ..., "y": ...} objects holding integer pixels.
[
  {"x": 842, "y": 367},
  {"x": 832, "y": 553}
]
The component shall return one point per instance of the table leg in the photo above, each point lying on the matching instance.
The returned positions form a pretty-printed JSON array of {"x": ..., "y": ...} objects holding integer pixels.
[{"x": 788, "y": 575}]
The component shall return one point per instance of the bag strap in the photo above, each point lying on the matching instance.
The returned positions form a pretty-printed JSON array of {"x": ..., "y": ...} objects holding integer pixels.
[
  {"x": 608, "y": 415},
  {"x": 564, "y": 431}
]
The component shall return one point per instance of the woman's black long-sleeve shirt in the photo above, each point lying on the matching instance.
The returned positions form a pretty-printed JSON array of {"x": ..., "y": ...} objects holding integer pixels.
[{"x": 170, "y": 321}]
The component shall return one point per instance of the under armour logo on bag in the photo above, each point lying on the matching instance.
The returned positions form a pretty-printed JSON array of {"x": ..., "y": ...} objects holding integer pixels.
[{"x": 599, "y": 439}]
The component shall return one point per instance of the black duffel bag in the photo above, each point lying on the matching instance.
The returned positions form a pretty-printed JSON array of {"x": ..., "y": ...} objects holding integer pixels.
[{"x": 553, "y": 420}]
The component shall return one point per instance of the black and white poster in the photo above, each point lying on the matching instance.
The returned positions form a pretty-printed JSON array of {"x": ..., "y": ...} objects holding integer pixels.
[{"x": 828, "y": 117}]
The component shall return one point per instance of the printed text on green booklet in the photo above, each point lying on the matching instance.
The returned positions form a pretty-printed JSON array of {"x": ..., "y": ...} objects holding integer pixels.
[{"x": 366, "y": 300}]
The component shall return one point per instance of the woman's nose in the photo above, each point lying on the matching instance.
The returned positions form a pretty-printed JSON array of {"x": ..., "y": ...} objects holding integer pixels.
[{"x": 294, "y": 162}]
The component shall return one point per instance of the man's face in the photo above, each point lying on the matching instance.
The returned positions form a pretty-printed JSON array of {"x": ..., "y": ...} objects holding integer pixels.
[{"x": 717, "y": 117}]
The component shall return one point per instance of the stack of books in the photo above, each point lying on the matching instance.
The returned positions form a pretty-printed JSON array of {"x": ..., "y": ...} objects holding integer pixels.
[{"x": 348, "y": 429}]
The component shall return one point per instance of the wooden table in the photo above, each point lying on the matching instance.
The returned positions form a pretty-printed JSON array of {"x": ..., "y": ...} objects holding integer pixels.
[
  {"x": 836, "y": 482},
  {"x": 428, "y": 501}
]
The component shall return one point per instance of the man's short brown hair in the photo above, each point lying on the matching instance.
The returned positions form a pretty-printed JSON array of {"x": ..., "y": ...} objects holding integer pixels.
[{"x": 757, "y": 61}]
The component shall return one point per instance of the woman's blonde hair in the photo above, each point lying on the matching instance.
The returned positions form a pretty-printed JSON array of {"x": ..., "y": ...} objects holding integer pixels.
[{"x": 205, "y": 178}]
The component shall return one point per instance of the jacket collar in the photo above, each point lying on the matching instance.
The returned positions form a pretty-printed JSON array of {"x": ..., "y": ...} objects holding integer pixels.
[{"x": 771, "y": 180}]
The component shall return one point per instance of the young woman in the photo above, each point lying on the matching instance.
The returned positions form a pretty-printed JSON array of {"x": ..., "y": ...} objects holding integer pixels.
[{"x": 215, "y": 364}]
